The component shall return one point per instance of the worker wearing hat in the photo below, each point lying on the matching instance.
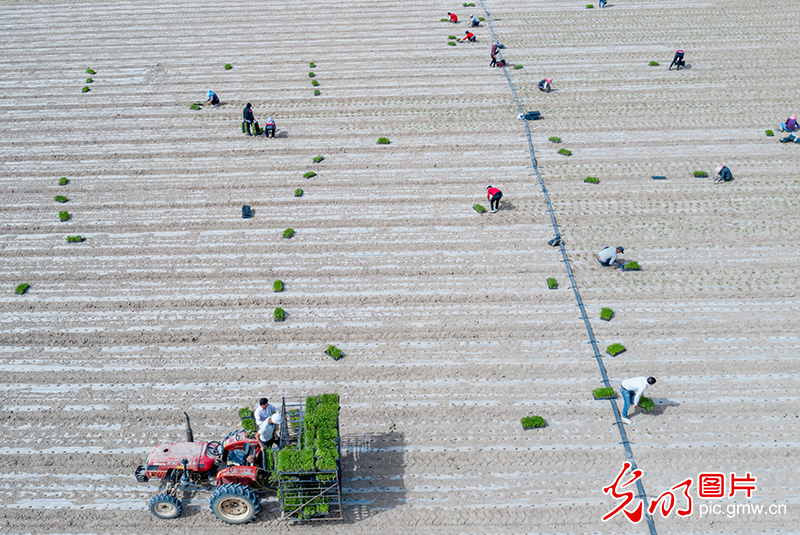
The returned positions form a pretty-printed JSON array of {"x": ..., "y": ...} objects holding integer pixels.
[
  {"x": 608, "y": 256},
  {"x": 268, "y": 433}
]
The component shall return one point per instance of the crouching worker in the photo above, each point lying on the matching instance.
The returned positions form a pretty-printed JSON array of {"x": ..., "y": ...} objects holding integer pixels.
[
  {"x": 790, "y": 124},
  {"x": 791, "y": 137},
  {"x": 213, "y": 99},
  {"x": 493, "y": 195},
  {"x": 453, "y": 17},
  {"x": 677, "y": 60},
  {"x": 475, "y": 21},
  {"x": 469, "y": 37},
  {"x": 546, "y": 85},
  {"x": 249, "y": 120},
  {"x": 723, "y": 174},
  {"x": 269, "y": 128},
  {"x": 608, "y": 256},
  {"x": 269, "y": 432}
]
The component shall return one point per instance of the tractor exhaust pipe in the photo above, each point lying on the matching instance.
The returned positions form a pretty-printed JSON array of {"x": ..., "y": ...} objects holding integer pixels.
[{"x": 189, "y": 434}]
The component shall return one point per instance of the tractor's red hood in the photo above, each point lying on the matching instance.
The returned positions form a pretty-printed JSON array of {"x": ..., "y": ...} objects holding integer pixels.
[{"x": 165, "y": 456}]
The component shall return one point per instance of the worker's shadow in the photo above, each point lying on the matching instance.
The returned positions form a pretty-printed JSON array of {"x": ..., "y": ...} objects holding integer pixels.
[
  {"x": 372, "y": 474},
  {"x": 504, "y": 205},
  {"x": 662, "y": 404},
  {"x": 282, "y": 133}
]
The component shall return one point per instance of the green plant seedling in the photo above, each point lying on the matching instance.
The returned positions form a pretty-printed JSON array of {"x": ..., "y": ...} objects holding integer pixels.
[
  {"x": 517, "y": 66},
  {"x": 288, "y": 233},
  {"x": 63, "y": 181},
  {"x": 75, "y": 239},
  {"x": 601, "y": 393},
  {"x": 22, "y": 288},
  {"x": 90, "y": 71},
  {"x": 452, "y": 37},
  {"x": 532, "y": 422},
  {"x": 277, "y": 286},
  {"x": 312, "y": 64},
  {"x": 311, "y": 75},
  {"x": 85, "y": 89},
  {"x": 63, "y": 215},
  {"x": 592, "y": 180},
  {"x": 334, "y": 352},
  {"x": 478, "y": 208},
  {"x": 554, "y": 139},
  {"x": 552, "y": 283},
  {"x": 451, "y": 43},
  {"x": 646, "y": 404},
  {"x": 248, "y": 422},
  {"x": 318, "y": 159},
  {"x": 653, "y": 64},
  {"x": 770, "y": 133},
  {"x": 606, "y": 313},
  {"x": 700, "y": 174},
  {"x": 316, "y": 92},
  {"x": 383, "y": 141},
  {"x": 298, "y": 192},
  {"x": 589, "y": 6},
  {"x": 278, "y": 314},
  {"x": 481, "y": 19},
  {"x": 314, "y": 83},
  {"x": 565, "y": 152},
  {"x": 615, "y": 349},
  {"x": 633, "y": 265},
  {"x": 309, "y": 174},
  {"x": 89, "y": 80},
  {"x": 61, "y": 198},
  {"x": 228, "y": 66},
  {"x": 194, "y": 107}
]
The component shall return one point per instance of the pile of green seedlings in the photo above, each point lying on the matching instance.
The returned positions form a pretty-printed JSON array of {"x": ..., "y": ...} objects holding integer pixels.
[
  {"x": 60, "y": 198},
  {"x": 606, "y": 313},
  {"x": 383, "y": 141},
  {"x": 288, "y": 233},
  {"x": 309, "y": 174},
  {"x": 63, "y": 215},
  {"x": 653, "y": 64},
  {"x": 248, "y": 421},
  {"x": 75, "y": 239},
  {"x": 632, "y": 265},
  {"x": 770, "y": 133},
  {"x": 552, "y": 283},
  {"x": 22, "y": 288},
  {"x": 554, "y": 139},
  {"x": 298, "y": 192},
  {"x": 334, "y": 352},
  {"x": 277, "y": 286},
  {"x": 615, "y": 349},
  {"x": 592, "y": 180},
  {"x": 565, "y": 152},
  {"x": 646, "y": 404},
  {"x": 228, "y": 66},
  {"x": 532, "y": 422},
  {"x": 700, "y": 174},
  {"x": 478, "y": 208},
  {"x": 317, "y": 457},
  {"x": 602, "y": 393}
]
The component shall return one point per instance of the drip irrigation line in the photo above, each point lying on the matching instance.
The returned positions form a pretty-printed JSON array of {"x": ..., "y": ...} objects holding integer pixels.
[{"x": 598, "y": 357}]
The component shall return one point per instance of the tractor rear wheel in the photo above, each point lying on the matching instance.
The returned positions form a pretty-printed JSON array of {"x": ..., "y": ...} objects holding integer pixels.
[
  {"x": 165, "y": 506},
  {"x": 235, "y": 504}
]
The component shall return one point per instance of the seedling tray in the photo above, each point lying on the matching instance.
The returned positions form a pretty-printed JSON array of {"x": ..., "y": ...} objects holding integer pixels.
[
  {"x": 619, "y": 353},
  {"x": 659, "y": 178}
]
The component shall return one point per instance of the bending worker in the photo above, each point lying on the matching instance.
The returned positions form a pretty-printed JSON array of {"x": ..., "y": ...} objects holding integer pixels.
[
  {"x": 469, "y": 37},
  {"x": 632, "y": 390},
  {"x": 494, "y": 195},
  {"x": 608, "y": 256}
]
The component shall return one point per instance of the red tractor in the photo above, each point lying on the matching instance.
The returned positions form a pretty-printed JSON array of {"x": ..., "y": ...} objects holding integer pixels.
[{"x": 238, "y": 470}]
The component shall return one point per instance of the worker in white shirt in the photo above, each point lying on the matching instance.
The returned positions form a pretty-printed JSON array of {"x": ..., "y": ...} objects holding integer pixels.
[
  {"x": 632, "y": 390},
  {"x": 268, "y": 433},
  {"x": 608, "y": 256},
  {"x": 264, "y": 411}
]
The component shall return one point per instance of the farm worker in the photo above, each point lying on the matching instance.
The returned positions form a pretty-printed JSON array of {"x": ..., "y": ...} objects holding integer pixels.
[
  {"x": 268, "y": 433},
  {"x": 495, "y": 48},
  {"x": 249, "y": 119},
  {"x": 453, "y": 17},
  {"x": 475, "y": 21},
  {"x": 269, "y": 128},
  {"x": 632, "y": 390},
  {"x": 264, "y": 411},
  {"x": 723, "y": 174},
  {"x": 494, "y": 195},
  {"x": 790, "y": 124},
  {"x": 677, "y": 60},
  {"x": 469, "y": 37},
  {"x": 601, "y": 3},
  {"x": 608, "y": 256},
  {"x": 546, "y": 85},
  {"x": 213, "y": 99}
]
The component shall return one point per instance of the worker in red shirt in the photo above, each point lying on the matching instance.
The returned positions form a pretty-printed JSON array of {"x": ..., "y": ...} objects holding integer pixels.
[
  {"x": 453, "y": 17},
  {"x": 469, "y": 37},
  {"x": 494, "y": 195}
]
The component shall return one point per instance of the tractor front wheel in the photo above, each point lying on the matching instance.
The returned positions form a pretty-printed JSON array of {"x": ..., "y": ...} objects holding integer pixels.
[
  {"x": 235, "y": 504},
  {"x": 165, "y": 506}
]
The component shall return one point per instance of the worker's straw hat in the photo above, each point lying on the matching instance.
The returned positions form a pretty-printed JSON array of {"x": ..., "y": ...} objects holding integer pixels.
[{"x": 719, "y": 167}]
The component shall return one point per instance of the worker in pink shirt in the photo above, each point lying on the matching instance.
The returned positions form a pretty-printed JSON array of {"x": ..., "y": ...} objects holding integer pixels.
[{"x": 494, "y": 195}]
